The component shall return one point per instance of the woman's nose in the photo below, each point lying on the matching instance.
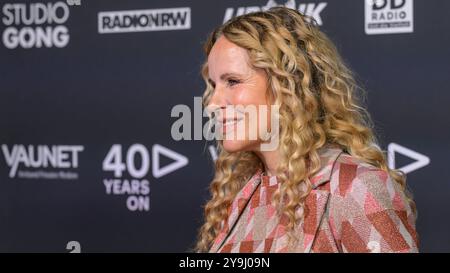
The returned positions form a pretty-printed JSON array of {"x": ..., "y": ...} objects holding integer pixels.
[
  {"x": 217, "y": 99},
  {"x": 217, "y": 103}
]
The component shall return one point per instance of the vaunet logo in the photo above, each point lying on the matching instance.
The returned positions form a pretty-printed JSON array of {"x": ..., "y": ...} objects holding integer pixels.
[
  {"x": 36, "y": 25},
  {"x": 144, "y": 20},
  {"x": 389, "y": 16},
  {"x": 42, "y": 161},
  {"x": 310, "y": 9}
]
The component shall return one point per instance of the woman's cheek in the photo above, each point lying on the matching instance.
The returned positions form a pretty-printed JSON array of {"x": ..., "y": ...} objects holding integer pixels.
[
  {"x": 238, "y": 95},
  {"x": 245, "y": 96}
]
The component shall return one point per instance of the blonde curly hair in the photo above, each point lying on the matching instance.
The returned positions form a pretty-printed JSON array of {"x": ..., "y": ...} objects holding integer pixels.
[{"x": 319, "y": 104}]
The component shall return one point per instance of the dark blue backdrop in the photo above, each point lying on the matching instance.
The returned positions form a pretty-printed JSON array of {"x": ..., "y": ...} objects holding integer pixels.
[{"x": 87, "y": 160}]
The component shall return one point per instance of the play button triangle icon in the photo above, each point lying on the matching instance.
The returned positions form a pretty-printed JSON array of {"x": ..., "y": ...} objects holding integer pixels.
[
  {"x": 420, "y": 159},
  {"x": 179, "y": 161}
]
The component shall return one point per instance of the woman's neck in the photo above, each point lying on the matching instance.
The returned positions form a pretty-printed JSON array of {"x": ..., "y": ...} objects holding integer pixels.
[{"x": 270, "y": 160}]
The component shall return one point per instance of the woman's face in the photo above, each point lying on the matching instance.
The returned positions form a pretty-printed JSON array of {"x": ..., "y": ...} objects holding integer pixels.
[{"x": 237, "y": 84}]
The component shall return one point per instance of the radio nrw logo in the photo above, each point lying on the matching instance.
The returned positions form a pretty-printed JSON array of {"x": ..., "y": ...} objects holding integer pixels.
[
  {"x": 36, "y": 25},
  {"x": 128, "y": 168},
  {"x": 144, "y": 20},
  {"x": 310, "y": 9},
  {"x": 42, "y": 161},
  {"x": 389, "y": 16}
]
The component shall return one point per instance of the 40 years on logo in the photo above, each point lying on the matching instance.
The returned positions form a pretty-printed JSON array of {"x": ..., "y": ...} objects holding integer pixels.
[
  {"x": 36, "y": 25},
  {"x": 129, "y": 178}
]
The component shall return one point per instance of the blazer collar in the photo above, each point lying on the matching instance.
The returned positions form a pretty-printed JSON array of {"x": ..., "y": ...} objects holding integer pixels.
[{"x": 328, "y": 155}]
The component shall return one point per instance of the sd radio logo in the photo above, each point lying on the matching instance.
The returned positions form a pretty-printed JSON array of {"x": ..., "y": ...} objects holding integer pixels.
[{"x": 388, "y": 16}]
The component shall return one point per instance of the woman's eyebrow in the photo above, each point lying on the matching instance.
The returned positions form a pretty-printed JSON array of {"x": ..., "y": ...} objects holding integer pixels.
[
  {"x": 226, "y": 75},
  {"x": 229, "y": 75}
]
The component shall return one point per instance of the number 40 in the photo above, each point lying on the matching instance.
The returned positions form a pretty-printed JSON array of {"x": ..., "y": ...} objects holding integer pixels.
[{"x": 113, "y": 161}]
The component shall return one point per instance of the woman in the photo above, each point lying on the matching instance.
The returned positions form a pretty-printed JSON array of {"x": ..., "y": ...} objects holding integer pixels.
[{"x": 326, "y": 187}]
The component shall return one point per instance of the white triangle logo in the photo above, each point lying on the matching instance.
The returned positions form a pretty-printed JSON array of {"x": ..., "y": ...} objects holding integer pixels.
[
  {"x": 179, "y": 161},
  {"x": 421, "y": 160}
]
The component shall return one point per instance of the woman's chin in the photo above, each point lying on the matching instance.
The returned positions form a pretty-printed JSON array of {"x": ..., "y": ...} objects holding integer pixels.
[{"x": 233, "y": 146}]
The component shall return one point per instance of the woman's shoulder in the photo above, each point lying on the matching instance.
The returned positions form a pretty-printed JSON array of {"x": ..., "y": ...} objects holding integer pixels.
[
  {"x": 356, "y": 183},
  {"x": 351, "y": 173},
  {"x": 365, "y": 199},
  {"x": 340, "y": 171}
]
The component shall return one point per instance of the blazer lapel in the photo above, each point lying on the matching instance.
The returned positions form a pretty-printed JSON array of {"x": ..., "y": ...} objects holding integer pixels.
[
  {"x": 316, "y": 203},
  {"x": 318, "y": 198},
  {"x": 236, "y": 209}
]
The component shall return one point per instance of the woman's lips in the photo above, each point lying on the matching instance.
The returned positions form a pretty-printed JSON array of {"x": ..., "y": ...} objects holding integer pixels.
[{"x": 228, "y": 125}]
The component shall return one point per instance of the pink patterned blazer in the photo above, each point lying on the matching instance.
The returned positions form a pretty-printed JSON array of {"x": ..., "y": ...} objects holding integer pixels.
[{"x": 353, "y": 207}]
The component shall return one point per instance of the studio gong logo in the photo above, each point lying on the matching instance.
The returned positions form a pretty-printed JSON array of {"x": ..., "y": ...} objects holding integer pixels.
[
  {"x": 36, "y": 25},
  {"x": 389, "y": 16},
  {"x": 311, "y": 9},
  {"x": 127, "y": 171},
  {"x": 42, "y": 161}
]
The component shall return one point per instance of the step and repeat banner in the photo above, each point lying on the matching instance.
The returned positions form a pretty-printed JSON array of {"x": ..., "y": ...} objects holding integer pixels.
[{"x": 87, "y": 88}]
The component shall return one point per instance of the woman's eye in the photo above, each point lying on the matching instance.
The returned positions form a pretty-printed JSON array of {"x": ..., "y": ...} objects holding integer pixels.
[{"x": 232, "y": 82}]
